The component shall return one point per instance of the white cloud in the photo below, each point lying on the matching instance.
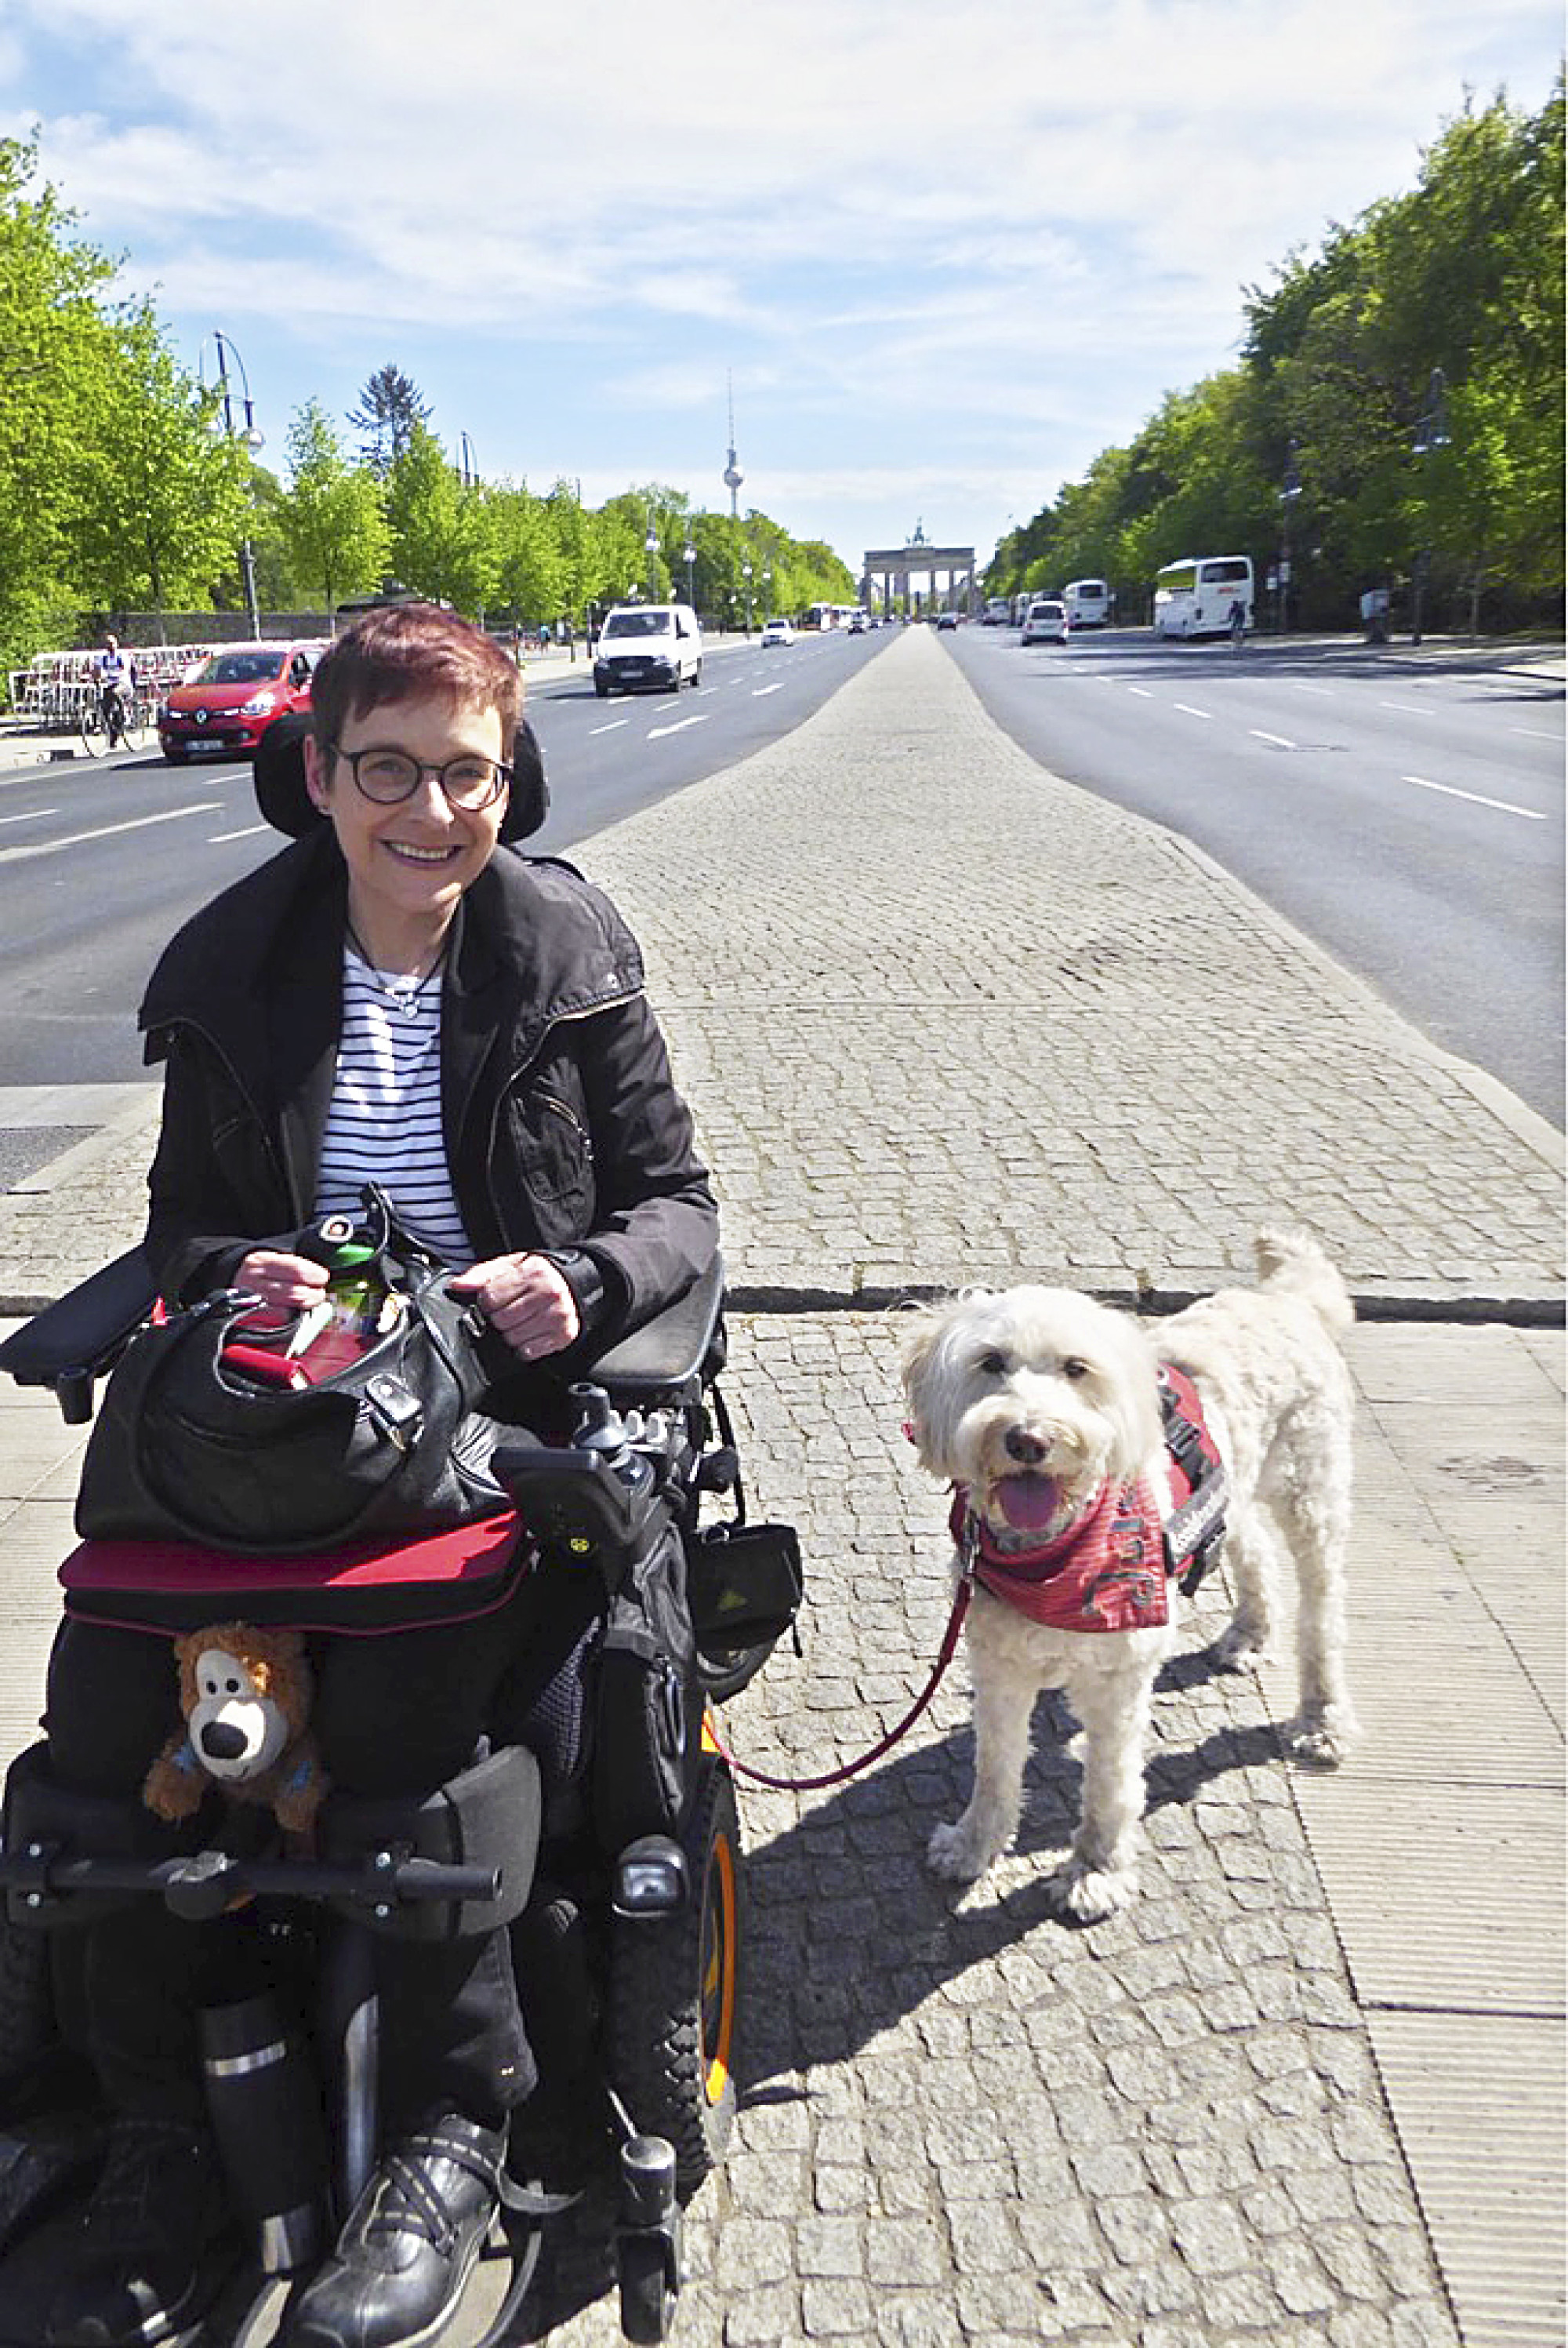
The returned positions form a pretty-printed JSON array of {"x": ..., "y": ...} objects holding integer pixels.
[{"x": 915, "y": 214}]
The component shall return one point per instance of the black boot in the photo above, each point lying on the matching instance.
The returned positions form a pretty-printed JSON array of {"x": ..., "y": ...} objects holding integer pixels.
[
  {"x": 409, "y": 2247},
  {"x": 156, "y": 2244}
]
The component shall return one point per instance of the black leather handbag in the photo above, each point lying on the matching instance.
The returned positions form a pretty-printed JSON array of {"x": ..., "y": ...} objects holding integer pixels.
[{"x": 191, "y": 1444}]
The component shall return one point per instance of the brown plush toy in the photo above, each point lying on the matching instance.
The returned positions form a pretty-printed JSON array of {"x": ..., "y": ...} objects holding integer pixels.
[{"x": 246, "y": 1697}]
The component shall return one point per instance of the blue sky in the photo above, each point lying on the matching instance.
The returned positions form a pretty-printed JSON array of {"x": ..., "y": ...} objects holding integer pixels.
[{"x": 947, "y": 250}]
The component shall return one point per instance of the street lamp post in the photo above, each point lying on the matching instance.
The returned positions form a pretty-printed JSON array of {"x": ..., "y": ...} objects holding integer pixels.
[
  {"x": 689, "y": 557},
  {"x": 1290, "y": 489},
  {"x": 650, "y": 548},
  {"x": 467, "y": 463},
  {"x": 253, "y": 439},
  {"x": 1431, "y": 433},
  {"x": 746, "y": 576}
]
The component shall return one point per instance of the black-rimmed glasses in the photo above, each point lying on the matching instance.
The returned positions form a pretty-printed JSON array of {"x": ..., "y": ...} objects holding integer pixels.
[{"x": 387, "y": 776}]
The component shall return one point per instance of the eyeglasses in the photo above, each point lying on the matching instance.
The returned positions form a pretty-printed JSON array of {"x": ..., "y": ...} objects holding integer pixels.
[{"x": 388, "y": 776}]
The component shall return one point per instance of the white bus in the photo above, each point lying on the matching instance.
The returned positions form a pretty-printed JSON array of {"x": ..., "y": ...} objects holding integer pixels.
[
  {"x": 1088, "y": 603},
  {"x": 1194, "y": 597}
]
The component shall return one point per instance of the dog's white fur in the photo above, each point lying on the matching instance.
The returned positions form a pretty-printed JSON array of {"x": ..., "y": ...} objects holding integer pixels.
[{"x": 1049, "y": 1381}]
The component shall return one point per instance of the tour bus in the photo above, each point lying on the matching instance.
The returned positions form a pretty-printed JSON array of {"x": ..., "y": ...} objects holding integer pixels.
[
  {"x": 1194, "y": 597},
  {"x": 999, "y": 612},
  {"x": 1088, "y": 603}
]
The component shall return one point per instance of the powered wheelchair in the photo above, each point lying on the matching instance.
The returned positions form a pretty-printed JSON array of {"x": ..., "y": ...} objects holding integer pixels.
[{"x": 600, "y": 1827}]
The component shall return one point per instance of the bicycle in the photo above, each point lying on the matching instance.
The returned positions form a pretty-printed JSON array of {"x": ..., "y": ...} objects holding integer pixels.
[{"x": 110, "y": 720}]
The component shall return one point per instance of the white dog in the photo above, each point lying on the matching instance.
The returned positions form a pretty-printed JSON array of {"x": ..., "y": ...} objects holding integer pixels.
[{"x": 1042, "y": 1408}]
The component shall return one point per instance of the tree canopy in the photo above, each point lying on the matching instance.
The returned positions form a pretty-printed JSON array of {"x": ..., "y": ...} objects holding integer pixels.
[{"x": 1445, "y": 303}]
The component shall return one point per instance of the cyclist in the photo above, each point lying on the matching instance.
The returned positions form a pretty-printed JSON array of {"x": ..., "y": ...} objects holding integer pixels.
[{"x": 116, "y": 689}]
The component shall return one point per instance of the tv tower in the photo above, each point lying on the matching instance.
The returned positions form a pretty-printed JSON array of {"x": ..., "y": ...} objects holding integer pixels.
[{"x": 733, "y": 475}]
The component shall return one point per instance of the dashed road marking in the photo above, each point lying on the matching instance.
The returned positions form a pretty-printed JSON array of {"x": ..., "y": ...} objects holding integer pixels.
[
  {"x": 1188, "y": 711},
  {"x": 215, "y": 839},
  {"x": 656, "y": 732},
  {"x": 31, "y": 817},
  {"x": 613, "y": 727},
  {"x": 1278, "y": 740},
  {"x": 1476, "y": 798},
  {"x": 103, "y": 831}
]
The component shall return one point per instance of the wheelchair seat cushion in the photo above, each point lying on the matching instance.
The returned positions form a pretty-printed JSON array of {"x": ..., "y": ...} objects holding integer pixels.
[{"x": 369, "y": 1586}]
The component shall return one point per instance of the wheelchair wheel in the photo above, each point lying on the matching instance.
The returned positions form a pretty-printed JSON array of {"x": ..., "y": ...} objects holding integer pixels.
[
  {"x": 672, "y": 1996},
  {"x": 723, "y": 1672}
]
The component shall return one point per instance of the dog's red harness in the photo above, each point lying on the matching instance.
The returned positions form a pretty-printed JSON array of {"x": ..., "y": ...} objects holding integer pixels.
[{"x": 1109, "y": 1570}]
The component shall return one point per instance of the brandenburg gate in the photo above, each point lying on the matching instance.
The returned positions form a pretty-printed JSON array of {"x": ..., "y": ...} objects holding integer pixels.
[{"x": 888, "y": 572}]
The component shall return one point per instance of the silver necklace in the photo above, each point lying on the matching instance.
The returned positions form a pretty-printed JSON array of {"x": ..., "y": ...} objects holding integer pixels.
[{"x": 408, "y": 994}]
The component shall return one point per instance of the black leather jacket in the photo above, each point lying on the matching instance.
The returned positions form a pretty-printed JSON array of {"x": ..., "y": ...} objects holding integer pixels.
[{"x": 563, "y": 1126}]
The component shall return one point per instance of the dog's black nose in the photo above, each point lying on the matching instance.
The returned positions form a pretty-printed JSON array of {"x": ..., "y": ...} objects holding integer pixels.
[
  {"x": 222, "y": 1740},
  {"x": 1025, "y": 1448}
]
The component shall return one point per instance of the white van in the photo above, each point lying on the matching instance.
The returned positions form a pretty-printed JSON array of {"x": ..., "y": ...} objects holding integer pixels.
[{"x": 648, "y": 648}]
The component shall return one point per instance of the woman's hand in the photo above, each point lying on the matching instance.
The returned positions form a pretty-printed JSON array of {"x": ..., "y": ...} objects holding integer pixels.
[
  {"x": 526, "y": 1299},
  {"x": 283, "y": 1283}
]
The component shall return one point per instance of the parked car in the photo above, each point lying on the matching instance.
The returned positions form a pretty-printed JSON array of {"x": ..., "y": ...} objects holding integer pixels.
[
  {"x": 648, "y": 648},
  {"x": 235, "y": 695},
  {"x": 778, "y": 632},
  {"x": 945, "y": 620},
  {"x": 1045, "y": 623}
]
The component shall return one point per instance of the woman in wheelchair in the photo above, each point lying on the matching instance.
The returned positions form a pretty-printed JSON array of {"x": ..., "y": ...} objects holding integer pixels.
[{"x": 395, "y": 998}]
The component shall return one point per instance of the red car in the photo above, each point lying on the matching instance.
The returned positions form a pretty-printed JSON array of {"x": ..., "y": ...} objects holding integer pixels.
[{"x": 235, "y": 695}]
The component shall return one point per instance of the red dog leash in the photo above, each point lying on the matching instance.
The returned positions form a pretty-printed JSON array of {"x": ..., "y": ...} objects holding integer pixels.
[{"x": 853, "y": 1768}]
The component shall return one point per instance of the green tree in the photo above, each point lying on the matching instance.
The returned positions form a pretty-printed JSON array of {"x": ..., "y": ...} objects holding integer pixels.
[
  {"x": 55, "y": 366},
  {"x": 530, "y": 573},
  {"x": 441, "y": 538},
  {"x": 334, "y": 516},
  {"x": 160, "y": 505},
  {"x": 389, "y": 413}
]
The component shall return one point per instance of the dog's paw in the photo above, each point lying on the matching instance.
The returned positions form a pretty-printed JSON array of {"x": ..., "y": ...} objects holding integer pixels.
[
  {"x": 1240, "y": 1649},
  {"x": 954, "y": 1853},
  {"x": 1322, "y": 1740},
  {"x": 1089, "y": 1894}
]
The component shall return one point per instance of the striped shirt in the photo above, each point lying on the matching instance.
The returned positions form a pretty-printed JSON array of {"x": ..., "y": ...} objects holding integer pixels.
[{"x": 384, "y": 1122}]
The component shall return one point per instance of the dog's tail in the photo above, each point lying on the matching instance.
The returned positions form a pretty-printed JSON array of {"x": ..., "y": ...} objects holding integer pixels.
[{"x": 1291, "y": 1261}]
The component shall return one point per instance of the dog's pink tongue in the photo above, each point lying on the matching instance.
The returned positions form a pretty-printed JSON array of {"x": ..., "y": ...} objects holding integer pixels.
[{"x": 1029, "y": 1503}]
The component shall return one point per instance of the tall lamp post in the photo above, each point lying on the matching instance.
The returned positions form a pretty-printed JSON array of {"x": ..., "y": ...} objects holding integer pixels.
[
  {"x": 689, "y": 557},
  {"x": 650, "y": 549},
  {"x": 226, "y": 429},
  {"x": 746, "y": 576},
  {"x": 1290, "y": 489},
  {"x": 467, "y": 463},
  {"x": 1431, "y": 433}
]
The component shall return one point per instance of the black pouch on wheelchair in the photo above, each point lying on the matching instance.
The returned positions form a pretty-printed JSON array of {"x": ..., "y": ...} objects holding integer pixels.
[
  {"x": 746, "y": 1582},
  {"x": 190, "y": 1447},
  {"x": 646, "y": 1709}
]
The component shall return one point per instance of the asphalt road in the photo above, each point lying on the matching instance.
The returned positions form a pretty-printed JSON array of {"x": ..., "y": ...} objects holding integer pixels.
[
  {"x": 1405, "y": 811},
  {"x": 101, "y": 861}
]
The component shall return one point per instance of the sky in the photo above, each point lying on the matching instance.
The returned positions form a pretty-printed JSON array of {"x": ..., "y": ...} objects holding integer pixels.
[{"x": 940, "y": 252}]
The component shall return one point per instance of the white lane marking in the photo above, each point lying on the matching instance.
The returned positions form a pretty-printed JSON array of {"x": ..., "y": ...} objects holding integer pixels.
[
  {"x": 29, "y": 819},
  {"x": 758, "y": 690},
  {"x": 656, "y": 732},
  {"x": 215, "y": 839},
  {"x": 614, "y": 726},
  {"x": 1327, "y": 690},
  {"x": 1277, "y": 740},
  {"x": 1141, "y": 691},
  {"x": 1504, "y": 806},
  {"x": 1410, "y": 708},
  {"x": 104, "y": 831},
  {"x": 1530, "y": 734},
  {"x": 1188, "y": 711}
]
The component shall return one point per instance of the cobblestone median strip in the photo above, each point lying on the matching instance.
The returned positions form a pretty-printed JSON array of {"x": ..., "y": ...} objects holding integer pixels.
[{"x": 948, "y": 1018}]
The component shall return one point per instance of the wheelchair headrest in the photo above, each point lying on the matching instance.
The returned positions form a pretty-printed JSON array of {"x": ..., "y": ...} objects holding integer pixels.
[{"x": 282, "y": 796}]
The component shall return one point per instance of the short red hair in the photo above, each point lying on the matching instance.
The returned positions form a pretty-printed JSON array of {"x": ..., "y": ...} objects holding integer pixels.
[{"x": 413, "y": 652}]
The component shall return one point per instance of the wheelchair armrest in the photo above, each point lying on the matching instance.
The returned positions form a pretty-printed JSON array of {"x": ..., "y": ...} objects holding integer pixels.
[
  {"x": 672, "y": 1350},
  {"x": 77, "y": 1337}
]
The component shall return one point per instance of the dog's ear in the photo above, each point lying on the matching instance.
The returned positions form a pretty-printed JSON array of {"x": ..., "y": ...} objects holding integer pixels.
[
  {"x": 1135, "y": 1403},
  {"x": 921, "y": 1355}
]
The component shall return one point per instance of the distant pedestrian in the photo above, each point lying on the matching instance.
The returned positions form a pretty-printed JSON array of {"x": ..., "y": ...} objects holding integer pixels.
[
  {"x": 544, "y": 635},
  {"x": 1237, "y": 622}
]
